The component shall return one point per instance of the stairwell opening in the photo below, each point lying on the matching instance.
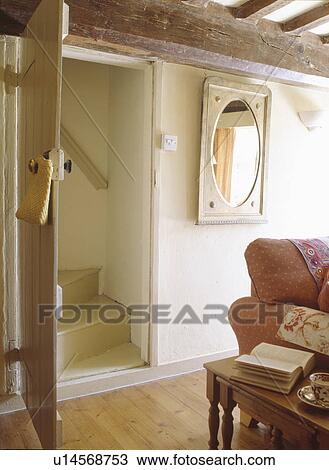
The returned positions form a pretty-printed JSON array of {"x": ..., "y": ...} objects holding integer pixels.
[{"x": 104, "y": 239}]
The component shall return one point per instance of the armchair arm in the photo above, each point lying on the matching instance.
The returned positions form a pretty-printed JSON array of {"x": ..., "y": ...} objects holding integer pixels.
[{"x": 255, "y": 322}]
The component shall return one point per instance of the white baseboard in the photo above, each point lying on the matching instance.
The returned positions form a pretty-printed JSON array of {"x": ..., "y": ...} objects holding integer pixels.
[{"x": 107, "y": 382}]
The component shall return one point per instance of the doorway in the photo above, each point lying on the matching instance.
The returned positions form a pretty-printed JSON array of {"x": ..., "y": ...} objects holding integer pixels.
[{"x": 104, "y": 238}]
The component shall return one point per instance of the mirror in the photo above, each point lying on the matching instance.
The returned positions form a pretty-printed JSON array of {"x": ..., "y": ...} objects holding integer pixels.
[{"x": 235, "y": 153}]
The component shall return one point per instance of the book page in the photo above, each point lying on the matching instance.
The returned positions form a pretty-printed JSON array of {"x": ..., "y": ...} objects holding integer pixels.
[
  {"x": 280, "y": 355},
  {"x": 267, "y": 383},
  {"x": 280, "y": 374},
  {"x": 286, "y": 368}
]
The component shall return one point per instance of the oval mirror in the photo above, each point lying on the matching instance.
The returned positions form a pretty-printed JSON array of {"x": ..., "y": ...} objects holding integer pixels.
[{"x": 235, "y": 153}]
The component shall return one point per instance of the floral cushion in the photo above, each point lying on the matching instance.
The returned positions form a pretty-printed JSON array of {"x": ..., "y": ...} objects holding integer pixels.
[{"x": 305, "y": 327}]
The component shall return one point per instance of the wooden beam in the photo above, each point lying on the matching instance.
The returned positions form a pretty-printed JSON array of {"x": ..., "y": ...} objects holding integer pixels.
[
  {"x": 325, "y": 40},
  {"x": 205, "y": 37},
  {"x": 308, "y": 20},
  {"x": 14, "y": 15},
  {"x": 256, "y": 9},
  {"x": 209, "y": 38},
  {"x": 311, "y": 39},
  {"x": 9, "y": 25}
]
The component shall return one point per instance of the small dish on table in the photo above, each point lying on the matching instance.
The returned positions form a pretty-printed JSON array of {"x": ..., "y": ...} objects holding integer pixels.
[{"x": 306, "y": 395}]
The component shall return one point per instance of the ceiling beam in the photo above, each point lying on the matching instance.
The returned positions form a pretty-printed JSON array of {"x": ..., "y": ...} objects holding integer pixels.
[
  {"x": 14, "y": 15},
  {"x": 256, "y": 9},
  {"x": 311, "y": 39},
  {"x": 308, "y": 20},
  {"x": 325, "y": 40},
  {"x": 12, "y": 25},
  {"x": 204, "y": 37},
  {"x": 209, "y": 38}
]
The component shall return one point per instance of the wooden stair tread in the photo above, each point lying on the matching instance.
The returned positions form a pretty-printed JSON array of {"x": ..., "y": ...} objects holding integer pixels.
[
  {"x": 123, "y": 357},
  {"x": 67, "y": 277},
  {"x": 98, "y": 300}
]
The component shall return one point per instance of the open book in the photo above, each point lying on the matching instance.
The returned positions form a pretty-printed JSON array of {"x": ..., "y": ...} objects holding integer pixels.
[{"x": 273, "y": 367}]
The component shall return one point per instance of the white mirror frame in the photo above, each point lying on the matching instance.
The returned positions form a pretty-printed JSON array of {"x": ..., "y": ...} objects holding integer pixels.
[{"x": 213, "y": 209}]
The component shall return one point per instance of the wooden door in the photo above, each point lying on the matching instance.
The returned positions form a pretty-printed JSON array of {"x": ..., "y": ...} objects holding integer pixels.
[{"x": 39, "y": 132}]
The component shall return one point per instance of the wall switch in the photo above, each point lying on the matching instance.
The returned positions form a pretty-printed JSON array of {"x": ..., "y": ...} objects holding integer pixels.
[{"x": 169, "y": 143}]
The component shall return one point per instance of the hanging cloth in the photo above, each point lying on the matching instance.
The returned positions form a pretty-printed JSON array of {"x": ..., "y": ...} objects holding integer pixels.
[{"x": 35, "y": 205}]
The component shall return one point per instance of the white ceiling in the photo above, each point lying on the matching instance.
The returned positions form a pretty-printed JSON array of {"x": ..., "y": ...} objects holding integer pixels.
[
  {"x": 321, "y": 30},
  {"x": 295, "y": 8},
  {"x": 230, "y": 3}
]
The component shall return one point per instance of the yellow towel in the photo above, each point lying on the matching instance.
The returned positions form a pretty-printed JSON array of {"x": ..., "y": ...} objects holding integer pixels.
[{"x": 34, "y": 207}]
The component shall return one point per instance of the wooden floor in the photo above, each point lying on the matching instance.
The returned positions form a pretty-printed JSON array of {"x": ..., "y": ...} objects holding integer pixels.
[{"x": 168, "y": 414}]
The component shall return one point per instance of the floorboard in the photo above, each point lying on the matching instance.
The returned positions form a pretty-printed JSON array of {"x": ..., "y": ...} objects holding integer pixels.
[{"x": 167, "y": 414}]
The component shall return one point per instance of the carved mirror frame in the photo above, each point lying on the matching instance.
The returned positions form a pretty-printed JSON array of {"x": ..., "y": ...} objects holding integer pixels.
[{"x": 213, "y": 208}]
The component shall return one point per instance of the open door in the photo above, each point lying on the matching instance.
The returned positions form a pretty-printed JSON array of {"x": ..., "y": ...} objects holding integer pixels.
[{"x": 39, "y": 132}]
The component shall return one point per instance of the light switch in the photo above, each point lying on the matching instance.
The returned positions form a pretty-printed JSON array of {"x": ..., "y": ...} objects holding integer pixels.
[{"x": 169, "y": 143}]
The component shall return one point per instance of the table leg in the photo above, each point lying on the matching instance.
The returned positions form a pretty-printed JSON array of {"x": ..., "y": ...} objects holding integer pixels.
[
  {"x": 276, "y": 440},
  {"x": 213, "y": 397},
  {"x": 214, "y": 422},
  {"x": 228, "y": 405}
]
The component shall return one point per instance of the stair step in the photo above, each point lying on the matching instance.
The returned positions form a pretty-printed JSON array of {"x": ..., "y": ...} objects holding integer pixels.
[
  {"x": 84, "y": 339},
  {"x": 67, "y": 324},
  {"x": 79, "y": 286},
  {"x": 66, "y": 277},
  {"x": 122, "y": 357}
]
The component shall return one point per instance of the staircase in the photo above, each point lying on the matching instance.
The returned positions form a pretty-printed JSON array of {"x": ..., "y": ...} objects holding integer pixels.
[{"x": 86, "y": 345}]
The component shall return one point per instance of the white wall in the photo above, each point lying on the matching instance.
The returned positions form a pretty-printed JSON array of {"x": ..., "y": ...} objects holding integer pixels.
[
  {"x": 205, "y": 264},
  {"x": 128, "y": 230},
  {"x": 83, "y": 210}
]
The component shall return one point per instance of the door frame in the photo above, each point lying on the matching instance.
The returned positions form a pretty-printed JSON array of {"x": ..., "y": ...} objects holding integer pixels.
[
  {"x": 10, "y": 375},
  {"x": 149, "y": 331}
]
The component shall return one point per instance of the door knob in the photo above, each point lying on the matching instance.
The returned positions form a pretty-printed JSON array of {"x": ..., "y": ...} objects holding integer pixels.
[
  {"x": 68, "y": 166},
  {"x": 33, "y": 166}
]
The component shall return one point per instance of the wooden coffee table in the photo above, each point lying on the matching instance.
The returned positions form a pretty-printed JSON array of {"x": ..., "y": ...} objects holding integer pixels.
[{"x": 286, "y": 416}]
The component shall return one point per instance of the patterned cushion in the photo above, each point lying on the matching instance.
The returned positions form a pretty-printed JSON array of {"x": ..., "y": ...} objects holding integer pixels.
[
  {"x": 255, "y": 322},
  {"x": 315, "y": 252},
  {"x": 324, "y": 294},
  {"x": 279, "y": 273},
  {"x": 305, "y": 327}
]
